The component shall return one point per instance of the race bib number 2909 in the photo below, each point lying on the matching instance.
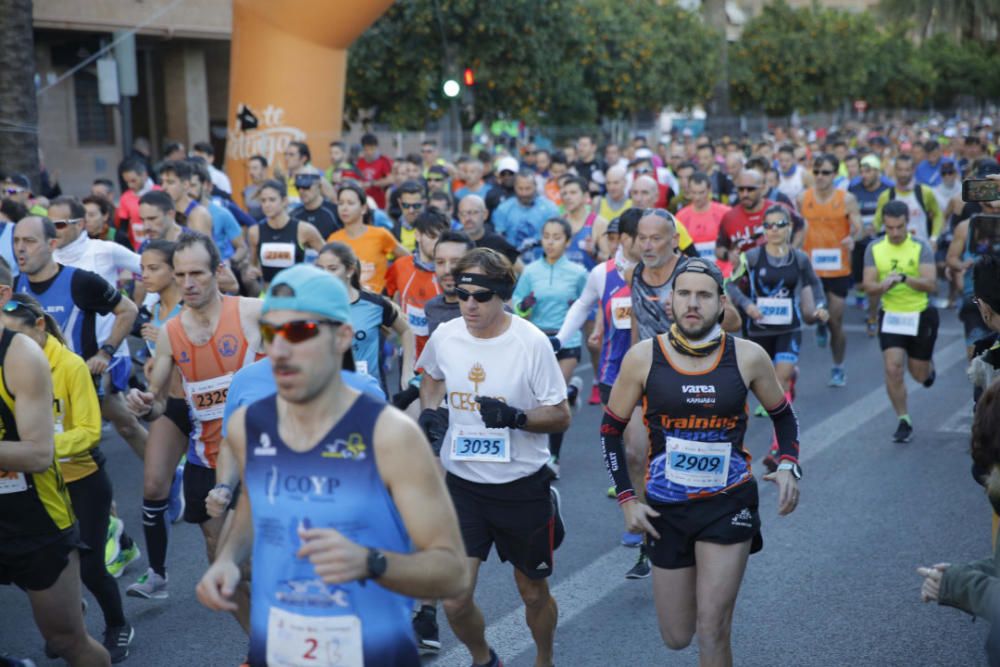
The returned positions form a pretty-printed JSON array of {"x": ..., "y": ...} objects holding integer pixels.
[{"x": 697, "y": 464}]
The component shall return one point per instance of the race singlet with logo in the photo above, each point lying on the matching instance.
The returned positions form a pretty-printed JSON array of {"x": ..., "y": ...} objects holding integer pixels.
[
  {"x": 296, "y": 619},
  {"x": 58, "y": 302},
  {"x": 616, "y": 308},
  {"x": 279, "y": 248},
  {"x": 827, "y": 226},
  {"x": 206, "y": 371},
  {"x": 696, "y": 424}
]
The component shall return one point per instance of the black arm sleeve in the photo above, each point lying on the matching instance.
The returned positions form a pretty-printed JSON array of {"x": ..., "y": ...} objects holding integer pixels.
[
  {"x": 92, "y": 292},
  {"x": 612, "y": 430},
  {"x": 786, "y": 429}
]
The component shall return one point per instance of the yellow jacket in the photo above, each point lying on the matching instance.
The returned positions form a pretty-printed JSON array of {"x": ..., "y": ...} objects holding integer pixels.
[{"x": 76, "y": 411}]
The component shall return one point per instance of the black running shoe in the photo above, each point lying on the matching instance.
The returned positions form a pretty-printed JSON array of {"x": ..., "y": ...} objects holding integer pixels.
[
  {"x": 425, "y": 626},
  {"x": 904, "y": 432},
  {"x": 117, "y": 640},
  {"x": 641, "y": 568},
  {"x": 929, "y": 382}
]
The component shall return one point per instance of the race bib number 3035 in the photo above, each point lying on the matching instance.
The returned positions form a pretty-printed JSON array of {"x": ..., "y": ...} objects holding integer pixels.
[
  {"x": 697, "y": 464},
  {"x": 480, "y": 444},
  {"x": 294, "y": 640}
]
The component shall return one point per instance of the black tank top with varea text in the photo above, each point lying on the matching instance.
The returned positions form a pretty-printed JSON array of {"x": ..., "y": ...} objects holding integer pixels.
[
  {"x": 279, "y": 248},
  {"x": 696, "y": 424}
]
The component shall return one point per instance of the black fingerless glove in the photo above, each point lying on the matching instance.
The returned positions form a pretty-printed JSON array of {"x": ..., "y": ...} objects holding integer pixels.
[{"x": 497, "y": 414}]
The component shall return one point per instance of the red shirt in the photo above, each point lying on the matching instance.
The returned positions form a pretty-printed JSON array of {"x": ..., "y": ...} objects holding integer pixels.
[
  {"x": 415, "y": 287},
  {"x": 375, "y": 170},
  {"x": 741, "y": 229},
  {"x": 128, "y": 213}
]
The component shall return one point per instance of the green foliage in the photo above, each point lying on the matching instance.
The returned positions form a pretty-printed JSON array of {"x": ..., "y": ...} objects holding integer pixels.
[
  {"x": 641, "y": 56},
  {"x": 517, "y": 49},
  {"x": 576, "y": 62}
]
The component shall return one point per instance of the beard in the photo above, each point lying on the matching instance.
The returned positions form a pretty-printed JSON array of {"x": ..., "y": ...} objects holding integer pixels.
[{"x": 697, "y": 333}]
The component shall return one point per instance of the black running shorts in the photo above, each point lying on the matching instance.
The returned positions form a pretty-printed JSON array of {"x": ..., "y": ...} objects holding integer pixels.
[
  {"x": 517, "y": 517},
  {"x": 919, "y": 347},
  {"x": 729, "y": 517}
]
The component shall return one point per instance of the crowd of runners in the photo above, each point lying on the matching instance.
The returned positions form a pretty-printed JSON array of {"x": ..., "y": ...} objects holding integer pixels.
[{"x": 357, "y": 381}]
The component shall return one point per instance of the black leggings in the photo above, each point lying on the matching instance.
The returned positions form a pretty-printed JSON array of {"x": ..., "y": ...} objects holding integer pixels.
[{"x": 91, "y": 497}]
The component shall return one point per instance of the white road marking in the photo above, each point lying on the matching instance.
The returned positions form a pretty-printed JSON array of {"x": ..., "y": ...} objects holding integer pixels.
[{"x": 509, "y": 636}]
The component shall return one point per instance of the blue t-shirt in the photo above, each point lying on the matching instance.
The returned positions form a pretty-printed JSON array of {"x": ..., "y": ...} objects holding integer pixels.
[
  {"x": 464, "y": 190},
  {"x": 517, "y": 222},
  {"x": 256, "y": 381},
  {"x": 224, "y": 230}
]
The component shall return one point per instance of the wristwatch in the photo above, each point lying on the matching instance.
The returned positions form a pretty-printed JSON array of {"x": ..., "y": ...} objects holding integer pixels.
[
  {"x": 903, "y": 279},
  {"x": 795, "y": 468},
  {"x": 108, "y": 350},
  {"x": 376, "y": 563},
  {"x": 521, "y": 420}
]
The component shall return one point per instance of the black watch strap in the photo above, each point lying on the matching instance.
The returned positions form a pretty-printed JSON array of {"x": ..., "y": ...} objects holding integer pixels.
[
  {"x": 376, "y": 563},
  {"x": 521, "y": 420},
  {"x": 108, "y": 349}
]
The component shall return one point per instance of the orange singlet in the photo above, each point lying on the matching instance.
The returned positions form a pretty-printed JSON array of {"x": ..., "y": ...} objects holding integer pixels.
[
  {"x": 207, "y": 370},
  {"x": 827, "y": 224}
]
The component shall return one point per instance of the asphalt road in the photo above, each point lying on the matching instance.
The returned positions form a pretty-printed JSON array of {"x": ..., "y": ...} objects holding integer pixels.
[{"x": 834, "y": 585}]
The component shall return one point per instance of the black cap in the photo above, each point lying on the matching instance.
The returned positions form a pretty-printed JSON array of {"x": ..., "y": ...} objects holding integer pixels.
[
  {"x": 20, "y": 180},
  {"x": 438, "y": 170},
  {"x": 305, "y": 180},
  {"x": 700, "y": 265}
]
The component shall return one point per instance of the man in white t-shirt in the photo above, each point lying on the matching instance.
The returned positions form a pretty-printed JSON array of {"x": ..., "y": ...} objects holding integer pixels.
[{"x": 504, "y": 393}]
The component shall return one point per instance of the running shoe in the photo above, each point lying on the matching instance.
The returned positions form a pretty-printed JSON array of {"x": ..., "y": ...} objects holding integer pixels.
[
  {"x": 125, "y": 557},
  {"x": 595, "y": 395},
  {"x": 425, "y": 626},
  {"x": 631, "y": 540},
  {"x": 574, "y": 391},
  {"x": 559, "y": 530},
  {"x": 641, "y": 568},
  {"x": 495, "y": 661},
  {"x": 871, "y": 327},
  {"x": 112, "y": 547},
  {"x": 554, "y": 466},
  {"x": 929, "y": 382},
  {"x": 822, "y": 335},
  {"x": 7, "y": 661},
  {"x": 612, "y": 491},
  {"x": 838, "y": 378},
  {"x": 175, "y": 510},
  {"x": 904, "y": 432},
  {"x": 117, "y": 641},
  {"x": 150, "y": 586}
]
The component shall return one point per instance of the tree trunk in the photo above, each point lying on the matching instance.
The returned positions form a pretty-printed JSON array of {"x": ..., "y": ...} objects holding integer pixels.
[
  {"x": 719, "y": 110},
  {"x": 18, "y": 107}
]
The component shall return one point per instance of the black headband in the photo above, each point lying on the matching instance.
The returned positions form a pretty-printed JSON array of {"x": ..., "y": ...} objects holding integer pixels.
[{"x": 503, "y": 288}]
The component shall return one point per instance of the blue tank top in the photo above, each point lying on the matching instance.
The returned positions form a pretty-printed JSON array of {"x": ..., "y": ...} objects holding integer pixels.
[
  {"x": 57, "y": 301},
  {"x": 158, "y": 322},
  {"x": 367, "y": 316},
  {"x": 576, "y": 251},
  {"x": 616, "y": 307},
  {"x": 295, "y": 617},
  {"x": 867, "y": 200}
]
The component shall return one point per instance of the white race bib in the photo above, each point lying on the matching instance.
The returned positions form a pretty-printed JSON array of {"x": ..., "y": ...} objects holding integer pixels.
[
  {"x": 775, "y": 310},
  {"x": 903, "y": 324},
  {"x": 12, "y": 482},
  {"x": 697, "y": 464},
  {"x": 706, "y": 249},
  {"x": 208, "y": 397},
  {"x": 294, "y": 640},
  {"x": 277, "y": 255},
  {"x": 471, "y": 443},
  {"x": 621, "y": 312},
  {"x": 826, "y": 259},
  {"x": 361, "y": 367},
  {"x": 417, "y": 320}
]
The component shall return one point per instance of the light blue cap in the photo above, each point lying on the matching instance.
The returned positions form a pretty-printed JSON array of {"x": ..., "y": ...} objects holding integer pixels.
[{"x": 313, "y": 290}]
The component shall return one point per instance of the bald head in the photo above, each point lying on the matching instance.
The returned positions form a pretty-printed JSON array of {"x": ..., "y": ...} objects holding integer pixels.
[
  {"x": 645, "y": 192},
  {"x": 750, "y": 188},
  {"x": 472, "y": 215}
]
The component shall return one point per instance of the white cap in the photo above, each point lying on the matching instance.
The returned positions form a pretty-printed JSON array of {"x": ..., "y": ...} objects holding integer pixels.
[
  {"x": 643, "y": 153},
  {"x": 507, "y": 164},
  {"x": 987, "y": 121}
]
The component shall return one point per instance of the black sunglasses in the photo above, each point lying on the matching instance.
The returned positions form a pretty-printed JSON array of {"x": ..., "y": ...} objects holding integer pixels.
[
  {"x": 411, "y": 207},
  {"x": 481, "y": 297},
  {"x": 776, "y": 225},
  {"x": 823, "y": 172},
  {"x": 747, "y": 188}
]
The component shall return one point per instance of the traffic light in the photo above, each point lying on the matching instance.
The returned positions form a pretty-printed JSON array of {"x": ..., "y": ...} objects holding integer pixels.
[
  {"x": 451, "y": 88},
  {"x": 468, "y": 77}
]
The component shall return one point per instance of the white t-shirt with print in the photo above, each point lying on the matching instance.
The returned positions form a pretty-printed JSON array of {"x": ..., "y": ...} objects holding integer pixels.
[{"x": 517, "y": 366}]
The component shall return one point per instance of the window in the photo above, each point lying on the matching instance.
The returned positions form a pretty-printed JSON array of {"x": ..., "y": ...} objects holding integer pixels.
[{"x": 94, "y": 122}]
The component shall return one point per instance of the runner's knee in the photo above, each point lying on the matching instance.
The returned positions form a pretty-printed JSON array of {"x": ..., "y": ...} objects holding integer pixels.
[{"x": 676, "y": 639}]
